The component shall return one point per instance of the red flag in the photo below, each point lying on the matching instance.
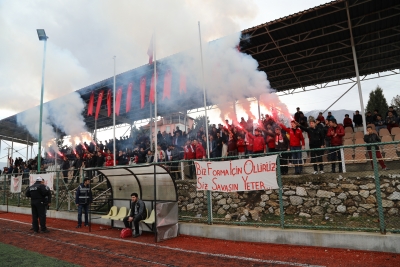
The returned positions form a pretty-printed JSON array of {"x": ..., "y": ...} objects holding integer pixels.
[
  {"x": 99, "y": 100},
  {"x": 90, "y": 105},
  {"x": 182, "y": 83},
  {"x": 109, "y": 103},
  {"x": 167, "y": 85},
  {"x": 150, "y": 51},
  {"x": 142, "y": 91},
  {"x": 151, "y": 95},
  {"x": 118, "y": 100},
  {"x": 129, "y": 97}
]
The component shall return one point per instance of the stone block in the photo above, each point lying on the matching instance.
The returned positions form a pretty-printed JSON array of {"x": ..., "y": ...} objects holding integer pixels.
[
  {"x": 393, "y": 211},
  {"x": 394, "y": 196},
  {"x": 291, "y": 210},
  {"x": 325, "y": 194},
  {"x": 272, "y": 203},
  {"x": 303, "y": 214},
  {"x": 190, "y": 207},
  {"x": 222, "y": 202},
  {"x": 264, "y": 198},
  {"x": 342, "y": 196},
  {"x": 262, "y": 204},
  {"x": 289, "y": 193},
  {"x": 221, "y": 211},
  {"x": 229, "y": 201},
  {"x": 311, "y": 192},
  {"x": 387, "y": 203},
  {"x": 301, "y": 191},
  {"x": 296, "y": 200},
  {"x": 364, "y": 193},
  {"x": 350, "y": 186},
  {"x": 370, "y": 199},
  {"x": 367, "y": 206},
  {"x": 341, "y": 208},
  {"x": 353, "y": 193}
]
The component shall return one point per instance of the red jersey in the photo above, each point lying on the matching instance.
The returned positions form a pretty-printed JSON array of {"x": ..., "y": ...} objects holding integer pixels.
[
  {"x": 296, "y": 136},
  {"x": 258, "y": 143},
  {"x": 241, "y": 146},
  {"x": 190, "y": 152},
  {"x": 200, "y": 152}
]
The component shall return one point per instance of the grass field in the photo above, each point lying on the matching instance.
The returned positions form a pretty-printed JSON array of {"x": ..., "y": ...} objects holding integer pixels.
[{"x": 13, "y": 256}]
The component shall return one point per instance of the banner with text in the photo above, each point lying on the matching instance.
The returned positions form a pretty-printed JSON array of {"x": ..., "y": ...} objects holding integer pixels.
[
  {"x": 237, "y": 175},
  {"x": 48, "y": 179}
]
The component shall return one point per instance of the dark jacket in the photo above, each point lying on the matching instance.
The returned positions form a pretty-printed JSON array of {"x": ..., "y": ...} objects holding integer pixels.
[
  {"x": 357, "y": 119},
  {"x": 138, "y": 208},
  {"x": 83, "y": 195},
  {"x": 315, "y": 135},
  {"x": 370, "y": 139},
  {"x": 39, "y": 193},
  {"x": 281, "y": 145}
]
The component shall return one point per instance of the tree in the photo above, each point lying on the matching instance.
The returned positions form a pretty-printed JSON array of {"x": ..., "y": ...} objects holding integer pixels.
[
  {"x": 377, "y": 101},
  {"x": 199, "y": 122},
  {"x": 396, "y": 103}
]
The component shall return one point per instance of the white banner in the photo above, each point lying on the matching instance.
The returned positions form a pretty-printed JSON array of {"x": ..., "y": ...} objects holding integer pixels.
[
  {"x": 48, "y": 179},
  {"x": 237, "y": 175},
  {"x": 15, "y": 186}
]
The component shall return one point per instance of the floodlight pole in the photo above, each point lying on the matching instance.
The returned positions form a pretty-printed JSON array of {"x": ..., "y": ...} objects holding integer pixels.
[
  {"x": 353, "y": 49},
  {"x": 41, "y": 106},
  {"x": 155, "y": 100}
]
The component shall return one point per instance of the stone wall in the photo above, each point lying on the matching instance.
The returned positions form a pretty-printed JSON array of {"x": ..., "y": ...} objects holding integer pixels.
[{"x": 305, "y": 196}]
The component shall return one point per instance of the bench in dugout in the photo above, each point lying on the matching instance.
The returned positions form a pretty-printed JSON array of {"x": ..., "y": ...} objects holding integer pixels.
[{"x": 115, "y": 214}]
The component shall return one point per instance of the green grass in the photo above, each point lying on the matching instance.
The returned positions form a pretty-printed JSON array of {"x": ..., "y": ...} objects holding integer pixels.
[{"x": 13, "y": 256}]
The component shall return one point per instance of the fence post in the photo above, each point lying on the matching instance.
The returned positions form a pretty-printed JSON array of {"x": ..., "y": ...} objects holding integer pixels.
[
  {"x": 278, "y": 174},
  {"x": 343, "y": 161},
  {"x": 378, "y": 192},
  {"x": 57, "y": 188},
  {"x": 182, "y": 170},
  {"x": 4, "y": 189},
  {"x": 209, "y": 208}
]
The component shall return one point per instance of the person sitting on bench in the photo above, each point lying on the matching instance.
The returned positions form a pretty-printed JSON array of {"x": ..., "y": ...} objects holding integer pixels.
[{"x": 138, "y": 213}]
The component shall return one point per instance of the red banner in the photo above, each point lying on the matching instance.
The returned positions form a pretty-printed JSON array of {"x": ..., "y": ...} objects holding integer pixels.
[
  {"x": 182, "y": 83},
  {"x": 129, "y": 97},
  {"x": 151, "y": 95},
  {"x": 142, "y": 91},
  {"x": 167, "y": 85},
  {"x": 118, "y": 100},
  {"x": 109, "y": 103},
  {"x": 99, "y": 100},
  {"x": 90, "y": 105}
]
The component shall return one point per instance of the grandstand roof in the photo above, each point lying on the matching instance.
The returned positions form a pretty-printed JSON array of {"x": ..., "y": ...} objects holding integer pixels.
[{"x": 304, "y": 49}]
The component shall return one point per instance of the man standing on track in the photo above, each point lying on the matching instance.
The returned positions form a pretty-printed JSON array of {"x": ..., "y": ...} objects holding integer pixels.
[
  {"x": 83, "y": 199},
  {"x": 38, "y": 193},
  {"x": 138, "y": 213}
]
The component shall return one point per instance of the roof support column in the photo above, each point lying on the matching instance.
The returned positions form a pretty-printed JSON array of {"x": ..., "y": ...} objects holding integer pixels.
[
  {"x": 234, "y": 111},
  {"x": 27, "y": 145},
  {"x": 353, "y": 48}
]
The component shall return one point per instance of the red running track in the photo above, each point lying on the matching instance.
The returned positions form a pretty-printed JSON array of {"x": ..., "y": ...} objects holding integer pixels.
[{"x": 103, "y": 247}]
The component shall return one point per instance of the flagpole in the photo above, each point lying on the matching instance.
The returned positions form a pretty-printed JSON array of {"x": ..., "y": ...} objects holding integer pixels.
[
  {"x": 155, "y": 97},
  {"x": 204, "y": 95},
  {"x": 208, "y": 192},
  {"x": 114, "y": 115}
]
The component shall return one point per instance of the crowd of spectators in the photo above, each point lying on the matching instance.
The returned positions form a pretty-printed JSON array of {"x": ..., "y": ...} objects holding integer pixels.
[{"x": 225, "y": 139}]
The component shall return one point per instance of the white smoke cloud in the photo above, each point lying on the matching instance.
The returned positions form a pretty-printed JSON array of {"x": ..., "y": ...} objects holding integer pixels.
[
  {"x": 30, "y": 120},
  {"x": 66, "y": 114}
]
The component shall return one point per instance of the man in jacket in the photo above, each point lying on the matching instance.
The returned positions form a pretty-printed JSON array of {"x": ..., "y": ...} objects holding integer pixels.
[
  {"x": 336, "y": 133},
  {"x": 138, "y": 213},
  {"x": 77, "y": 166},
  {"x": 65, "y": 167},
  {"x": 317, "y": 140},
  {"x": 190, "y": 154},
  {"x": 259, "y": 146},
  {"x": 281, "y": 145},
  {"x": 357, "y": 119},
  {"x": 83, "y": 199},
  {"x": 38, "y": 193},
  {"x": 371, "y": 138},
  {"x": 200, "y": 152},
  {"x": 296, "y": 144}
]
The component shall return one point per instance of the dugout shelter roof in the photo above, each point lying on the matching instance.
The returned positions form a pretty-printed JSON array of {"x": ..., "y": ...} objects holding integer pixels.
[{"x": 303, "y": 49}]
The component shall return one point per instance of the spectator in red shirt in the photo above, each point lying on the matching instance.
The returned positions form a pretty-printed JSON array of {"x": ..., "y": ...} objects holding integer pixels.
[
  {"x": 296, "y": 144},
  {"x": 320, "y": 117},
  {"x": 347, "y": 122},
  {"x": 241, "y": 146},
  {"x": 258, "y": 142},
  {"x": 270, "y": 138},
  {"x": 200, "y": 152},
  {"x": 336, "y": 133}
]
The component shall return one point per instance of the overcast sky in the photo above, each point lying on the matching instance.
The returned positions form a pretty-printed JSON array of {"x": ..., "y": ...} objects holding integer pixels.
[{"x": 84, "y": 35}]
